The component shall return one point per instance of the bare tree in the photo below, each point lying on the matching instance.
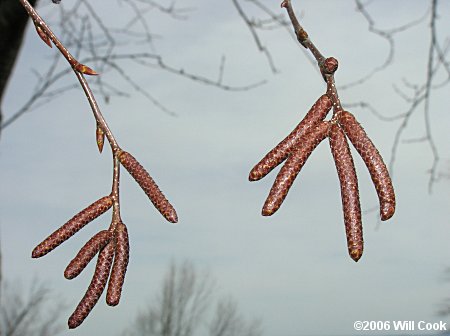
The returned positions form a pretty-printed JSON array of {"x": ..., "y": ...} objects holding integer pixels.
[
  {"x": 33, "y": 314},
  {"x": 180, "y": 309},
  {"x": 228, "y": 322}
]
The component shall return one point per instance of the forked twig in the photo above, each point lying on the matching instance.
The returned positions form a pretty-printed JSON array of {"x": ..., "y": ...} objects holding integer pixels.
[
  {"x": 112, "y": 245},
  {"x": 299, "y": 144}
]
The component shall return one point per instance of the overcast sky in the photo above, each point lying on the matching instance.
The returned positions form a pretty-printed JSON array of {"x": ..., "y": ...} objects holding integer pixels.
[{"x": 291, "y": 270}]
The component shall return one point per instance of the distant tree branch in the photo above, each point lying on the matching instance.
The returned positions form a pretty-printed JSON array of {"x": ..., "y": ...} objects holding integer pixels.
[
  {"x": 436, "y": 63},
  {"x": 181, "y": 306},
  {"x": 108, "y": 52},
  {"x": 32, "y": 314},
  {"x": 386, "y": 34}
]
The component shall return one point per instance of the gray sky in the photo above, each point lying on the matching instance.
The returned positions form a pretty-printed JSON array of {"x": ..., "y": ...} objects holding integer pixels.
[{"x": 291, "y": 270}]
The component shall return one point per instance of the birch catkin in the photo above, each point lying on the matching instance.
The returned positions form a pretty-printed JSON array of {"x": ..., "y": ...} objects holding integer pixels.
[
  {"x": 297, "y": 158},
  {"x": 86, "y": 253},
  {"x": 349, "y": 191},
  {"x": 148, "y": 185},
  {"x": 95, "y": 288},
  {"x": 374, "y": 163},
  {"x": 277, "y": 155},
  {"x": 74, "y": 225},
  {"x": 119, "y": 268}
]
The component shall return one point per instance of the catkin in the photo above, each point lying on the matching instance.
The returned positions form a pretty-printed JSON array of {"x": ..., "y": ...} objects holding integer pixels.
[
  {"x": 71, "y": 227},
  {"x": 374, "y": 162},
  {"x": 277, "y": 155},
  {"x": 86, "y": 253},
  {"x": 349, "y": 191},
  {"x": 119, "y": 268},
  {"x": 297, "y": 158},
  {"x": 149, "y": 186},
  {"x": 95, "y": 288}
]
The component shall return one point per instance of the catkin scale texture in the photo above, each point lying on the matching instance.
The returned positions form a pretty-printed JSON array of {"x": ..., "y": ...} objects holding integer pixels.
[
  {"x": 277, "y": 155},
  {"x": 86, "y": 253},
  {"x": 71, "y": 227},
  {"x": 349, "y": 191},
  {"x": 374, "y": 163},
  {"x": 149, "y": 186},
  {"x": 95, "y": 288},
  {"x": 119, "y": 268},
  {"x": 297, "y": 158}
]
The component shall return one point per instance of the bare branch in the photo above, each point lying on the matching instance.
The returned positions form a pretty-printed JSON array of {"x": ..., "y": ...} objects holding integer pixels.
[
  {"x": 388, "y": 35},
  {"x": 185, "y": 296},
  {"x": 436, "y": 63},
  {"x": 32, "y": 314},
  {"x": 252, "y": 27},
  {"x": 93, "y": 42}
]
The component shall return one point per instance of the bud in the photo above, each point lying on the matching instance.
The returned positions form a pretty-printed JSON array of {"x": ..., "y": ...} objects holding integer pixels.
[
  {"x": 330, "y": 65},
  {"x": 44, "y": 37},
  {"x": 84, "y": 69},
  {"x": 349, "y": 191},
  {"x": 100, "y": 136}
]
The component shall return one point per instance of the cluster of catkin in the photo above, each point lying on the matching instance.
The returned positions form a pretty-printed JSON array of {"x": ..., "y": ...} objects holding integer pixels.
[
  {"x": 112, "y": 245},
  {"x": 298, "y": 146}
]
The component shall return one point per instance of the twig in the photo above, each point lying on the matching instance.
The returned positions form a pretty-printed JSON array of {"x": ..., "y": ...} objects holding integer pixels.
[
  {"x": 112, "y": 243},
  {"x": 309, "y": 133}
]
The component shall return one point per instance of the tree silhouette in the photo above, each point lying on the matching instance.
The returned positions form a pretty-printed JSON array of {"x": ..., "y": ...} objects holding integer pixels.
[{"x": 182, "y": 304}]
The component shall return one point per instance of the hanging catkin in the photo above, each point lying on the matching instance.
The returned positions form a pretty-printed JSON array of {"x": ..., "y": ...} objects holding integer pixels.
[
  {"x": 119, "y": 267},
  {"x": 349, "y": 191},
  {"x": 74, "y": 225},
  {"x": 149, "y": 186},
  {"x": 277, "y": 155},
  {"x": 374, "y": 162},
  {"x": 297, "y": 158}
]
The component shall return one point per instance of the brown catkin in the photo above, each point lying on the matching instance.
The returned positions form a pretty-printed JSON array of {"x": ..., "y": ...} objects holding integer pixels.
[
  {"x": 75, "y": 224},
  {"x": 95, "y": 288},
  {"x": 349, "y": 191},
  {"x": 297, "y": 158},
  {"x": 374, "y": 162},
  {"x": 277, "y": 155},
  {"x": 149, "y": 186},
  {"x": 119, "y": 268},
  {"x": 86, "y": 253}
]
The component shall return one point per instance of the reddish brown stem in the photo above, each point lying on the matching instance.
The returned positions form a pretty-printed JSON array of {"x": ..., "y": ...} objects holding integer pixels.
[{"x": 327, "y": 66}]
